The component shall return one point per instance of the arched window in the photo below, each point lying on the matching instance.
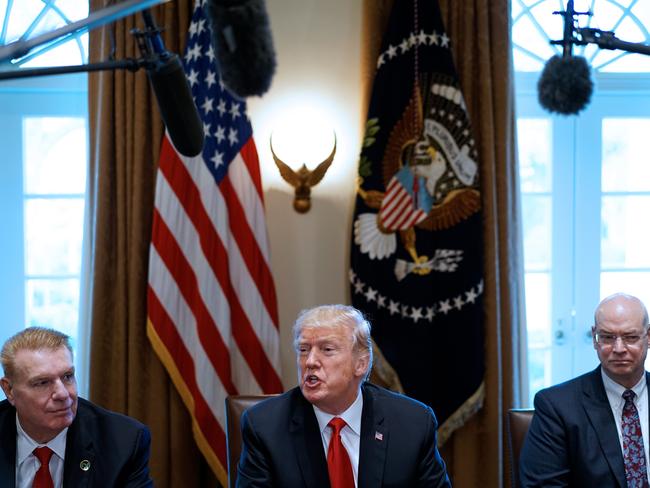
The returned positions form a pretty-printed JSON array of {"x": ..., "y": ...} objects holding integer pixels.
[
  {"x": 585, "y": 183},
  {"x": 43, "y": 141}
]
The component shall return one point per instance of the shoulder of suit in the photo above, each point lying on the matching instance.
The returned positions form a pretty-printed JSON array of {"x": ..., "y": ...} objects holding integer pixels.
[
  {"x": 276, "y": 404},
  {"x": 573, "y": 385},
  {"x": 87, "y": 410},
  {"x": 390, "y": 398},
  {"x": 5, "y": 405},
  {"x": 6, "y": 408}
]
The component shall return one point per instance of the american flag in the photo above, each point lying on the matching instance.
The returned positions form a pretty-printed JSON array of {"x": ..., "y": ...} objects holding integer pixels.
[
  {"x": 213, "y": 317},
  {"x": 401, "y": 208}
]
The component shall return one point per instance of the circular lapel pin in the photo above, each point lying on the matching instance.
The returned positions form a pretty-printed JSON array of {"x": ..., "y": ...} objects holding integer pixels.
[{"x": 84, "y": 465}]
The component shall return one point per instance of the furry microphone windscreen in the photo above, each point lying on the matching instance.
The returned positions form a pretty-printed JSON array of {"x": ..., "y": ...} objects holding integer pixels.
[
  {"x": 241, "y": 35},
  {"x": 565, "y": 86}
]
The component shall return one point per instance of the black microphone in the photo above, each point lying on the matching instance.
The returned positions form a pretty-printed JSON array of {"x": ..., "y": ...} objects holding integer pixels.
[
  {"x": 241, "y": 36},
  {"x": 173, "y": 92},
  {"x": 565, "y": 85}
]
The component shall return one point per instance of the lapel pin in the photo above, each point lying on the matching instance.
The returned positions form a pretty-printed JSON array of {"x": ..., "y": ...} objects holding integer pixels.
[
  {"x": 84, "y": 465},
  {"x": 379, "y": 436}
]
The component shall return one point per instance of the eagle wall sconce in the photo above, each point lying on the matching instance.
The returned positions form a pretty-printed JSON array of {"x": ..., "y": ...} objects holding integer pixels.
[{"x": 303, "y": 179}]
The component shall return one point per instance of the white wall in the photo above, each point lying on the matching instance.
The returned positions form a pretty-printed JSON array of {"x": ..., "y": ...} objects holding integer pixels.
[{"x": 318, "y": 54}]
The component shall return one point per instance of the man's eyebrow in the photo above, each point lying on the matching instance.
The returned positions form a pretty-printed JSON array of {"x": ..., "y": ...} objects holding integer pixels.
[{"x": 45, "y": 376}]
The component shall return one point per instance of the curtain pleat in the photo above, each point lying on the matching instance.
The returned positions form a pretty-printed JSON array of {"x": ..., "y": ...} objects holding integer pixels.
[
  {"x": 480, "y": 40},
  {"x": 126, "y": 131},
  {"x": 125, "y": 137}
]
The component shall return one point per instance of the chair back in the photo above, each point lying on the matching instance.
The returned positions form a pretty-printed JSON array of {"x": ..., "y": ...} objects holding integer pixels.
[
  {"x": 235, "y": 406},
  {"x": 518, "y": 422}
]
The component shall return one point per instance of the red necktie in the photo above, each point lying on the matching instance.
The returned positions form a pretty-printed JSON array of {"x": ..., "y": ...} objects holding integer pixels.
[
  {"x": 43, "y": 479},
  {"x": 338, "y": 461}
]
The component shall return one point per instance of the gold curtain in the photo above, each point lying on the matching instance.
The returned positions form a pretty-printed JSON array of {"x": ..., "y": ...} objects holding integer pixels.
[
  {"x": 125, "y": 136},
  {"x": 480, "y": 39}
]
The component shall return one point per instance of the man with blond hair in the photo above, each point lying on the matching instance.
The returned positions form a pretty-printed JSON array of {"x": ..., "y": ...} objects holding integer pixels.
[
  {"x": 50, "y": 438},
  {"x": 334, "y": 430},
  {"x": 593, "y": 429}
]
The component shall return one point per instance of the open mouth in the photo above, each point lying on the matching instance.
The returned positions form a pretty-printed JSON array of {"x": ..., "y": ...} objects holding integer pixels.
[{"x": 311, "y": 380}]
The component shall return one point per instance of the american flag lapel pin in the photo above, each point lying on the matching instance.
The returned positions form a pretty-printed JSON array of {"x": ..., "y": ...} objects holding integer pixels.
[{"x": 379, "y": 436}]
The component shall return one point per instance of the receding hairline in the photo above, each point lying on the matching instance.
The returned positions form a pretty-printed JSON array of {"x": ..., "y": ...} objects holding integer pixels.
[{"x": 618, "y": 297}]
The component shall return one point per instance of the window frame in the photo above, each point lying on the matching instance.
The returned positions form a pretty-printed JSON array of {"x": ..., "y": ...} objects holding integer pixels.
[{"x": 51, "y": 96}]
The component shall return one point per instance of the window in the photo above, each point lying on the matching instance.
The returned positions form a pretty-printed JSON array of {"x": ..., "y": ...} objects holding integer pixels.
[
  {"x": 43, "y": 141},
  {"x": 585, "y": 184}
]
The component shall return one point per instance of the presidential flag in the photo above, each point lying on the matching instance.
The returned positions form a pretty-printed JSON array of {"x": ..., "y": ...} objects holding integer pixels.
[
  {"x": 416, "y": 254},
  {"x": 213, "y": 317}
]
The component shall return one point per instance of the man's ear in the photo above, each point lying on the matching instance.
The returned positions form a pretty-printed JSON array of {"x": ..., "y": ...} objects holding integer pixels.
[
  {"x": 6, "y": 387},
  {"x": 362, "y": 364},
  {"x": 593, "y": 337}
]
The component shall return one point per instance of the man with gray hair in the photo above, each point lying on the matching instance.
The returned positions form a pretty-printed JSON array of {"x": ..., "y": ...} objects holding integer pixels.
[
  {"x": 593, "y": 429},
  {"x": 335, "y": 429},
  {"x": 50, "y": 438}
]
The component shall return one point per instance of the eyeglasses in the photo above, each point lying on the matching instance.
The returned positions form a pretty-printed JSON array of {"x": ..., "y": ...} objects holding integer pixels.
[{"x": 605, "y": 339}]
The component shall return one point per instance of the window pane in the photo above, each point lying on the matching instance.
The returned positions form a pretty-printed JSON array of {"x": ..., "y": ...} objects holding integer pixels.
[
  {"x": 538, "y": 306},
  {"x": 535, "y": 143},
  {"x": 634, "y": 283},
  {"x": 625, "y": 237},
  {"x": 51, "y": 167},
  {"x": 534, "y": 25},
  {"x": 66, "y": 53},
  {"x": 21, "y": 18},
  {"x": 626, "y": 154},
  {"x": 53, "y": 236},
  {"x": 31, "y": 18},
  {"x": 53, "y": 303},
  {"x": 73, "y": 9},
  {"x": 536, "y": 210},
  {"x": 539, "y": 371}
]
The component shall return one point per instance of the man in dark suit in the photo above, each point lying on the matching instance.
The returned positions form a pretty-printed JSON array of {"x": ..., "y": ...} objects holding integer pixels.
[
  {"x": 593, "y": 430},
  {"x": 51, "y": 438},
  {"x": 333, "y": 431}
]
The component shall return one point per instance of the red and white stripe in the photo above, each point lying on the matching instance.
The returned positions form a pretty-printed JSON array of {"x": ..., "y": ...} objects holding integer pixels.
[
  {"x": 398, "y": 211},
  {"x": 212, "y": 303}
]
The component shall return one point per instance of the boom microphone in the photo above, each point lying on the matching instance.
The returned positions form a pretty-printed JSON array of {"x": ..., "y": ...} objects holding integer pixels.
[
  {"x": 173, "y": 92},
  {"x": 565, "y": 86},
  {"x": 241, "y": 35}
]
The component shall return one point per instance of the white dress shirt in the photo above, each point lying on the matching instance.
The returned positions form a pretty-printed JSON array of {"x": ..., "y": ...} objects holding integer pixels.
[
  {"x": 350, "y": 434},
  {"x": 616, "y": 402},
  {"x": 27, "y": 464}
]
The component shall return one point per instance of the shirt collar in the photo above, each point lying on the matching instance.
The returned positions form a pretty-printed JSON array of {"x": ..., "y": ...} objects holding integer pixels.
[
  {"x": 25, "y": 445},
  {"x": 352, "y": 415},
  {"x": 613, "y": 389}
]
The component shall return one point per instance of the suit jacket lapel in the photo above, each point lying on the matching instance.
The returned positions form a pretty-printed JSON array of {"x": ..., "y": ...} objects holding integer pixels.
[
  {"x": 7, "y": 445},
  {"x": 79, "y": 464},
  {"x": 600, "y": 415},
  {"x": 308, "y": 444},
  {"x": 375, "y": 436}
]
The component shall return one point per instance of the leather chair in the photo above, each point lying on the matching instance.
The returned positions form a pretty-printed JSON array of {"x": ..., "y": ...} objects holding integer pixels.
[
  {"x": 517, "y": 424},
  {"x": 235, "y": 406}
]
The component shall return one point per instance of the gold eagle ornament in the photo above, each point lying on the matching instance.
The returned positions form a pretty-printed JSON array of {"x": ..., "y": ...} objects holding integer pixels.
[{"x": 303, "y": 179}]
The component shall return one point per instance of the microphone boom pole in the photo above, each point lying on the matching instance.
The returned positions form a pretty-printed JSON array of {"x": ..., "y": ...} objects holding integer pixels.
[
  {"x": 18, "y": 49},
  {"x": 164, "y": 69}
]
